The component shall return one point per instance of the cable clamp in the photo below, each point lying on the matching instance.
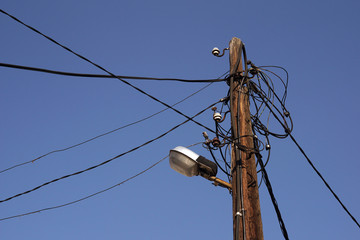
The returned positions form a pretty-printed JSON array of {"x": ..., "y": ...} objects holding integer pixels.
[
  {"x": 240, "y": 214},
  {"x": 225, "y": 99}
]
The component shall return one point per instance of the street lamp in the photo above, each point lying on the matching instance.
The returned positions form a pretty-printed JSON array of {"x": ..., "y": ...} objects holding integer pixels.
[{"x": 190, "y": 164}]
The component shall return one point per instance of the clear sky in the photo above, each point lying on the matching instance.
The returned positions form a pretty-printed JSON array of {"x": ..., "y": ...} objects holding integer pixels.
[{"x": 316, "y": 41}]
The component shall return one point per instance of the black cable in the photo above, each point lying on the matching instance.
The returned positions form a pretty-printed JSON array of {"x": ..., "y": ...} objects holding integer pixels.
[
  {"x": 265, "y": 100},
  {"x": 324, "y": 181},
  {"x": 287, "y": 77},
  {"x": 107, "y": 161},
  {"x": 101, "y": 135},
  {"x": 88, "y": 75},
  {"x": 268, "y": 150},
  {"x": 258, "y": 94},
  {"x": 103, "y": 69},
  {"x": 217, "y": 163},
  {"x": 91, "y": 195},
  {"x": 227, "y": 165},
  {"x": 271, "y": 193},
  {"x": 288, "y": 133},
  {"x": 86, "y": 197},
  {"x": 143, "y": 92},
  {"x": 282, "y": 102}
]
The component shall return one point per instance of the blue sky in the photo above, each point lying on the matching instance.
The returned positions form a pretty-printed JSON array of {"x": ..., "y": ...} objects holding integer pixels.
[{"x": 316, "y": 41}]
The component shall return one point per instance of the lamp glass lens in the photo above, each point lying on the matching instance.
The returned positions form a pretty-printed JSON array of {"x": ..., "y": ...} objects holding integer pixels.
[{"x": 183, "y": 164}]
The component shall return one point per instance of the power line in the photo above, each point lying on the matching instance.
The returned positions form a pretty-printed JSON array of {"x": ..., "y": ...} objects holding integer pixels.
[
  {"x": 271, "y": 193},
  {"x": 188, "y": 118},
  {"x": 88, "y": 75},
  {"x": 324, "y": 181},
  {"x": 103, "y": 134},
  {"x": 264, "y": 96},
  {"x": 84, "y": 198},
  {"x": 256, "y": 90},
  {"x": 107, "y": 161},
  {"x": 103, "y": 69},
  {"x": 94, "y": 194}
]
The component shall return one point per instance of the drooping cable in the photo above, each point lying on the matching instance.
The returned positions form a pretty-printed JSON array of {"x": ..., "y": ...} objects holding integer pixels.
[
  {"x": 103, "y": 69},
  {"x": 271, "y": 193},
  {"x": 264, "y": 98},
  {"x": 278, "y": 115},
  {"x": 324, "y": 181},
  {"x": 91, "y": 195},
  {"x": 107, "y": 161},
  {"x": 88, "y": 75},
  {"x": 86, "y": 197},
  {"x": 103, "y": 134},
  {"x": 217, "y": 163}
]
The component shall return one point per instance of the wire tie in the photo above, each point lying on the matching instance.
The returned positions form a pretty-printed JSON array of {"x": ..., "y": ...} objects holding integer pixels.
[{"x": 224, "y": 99}]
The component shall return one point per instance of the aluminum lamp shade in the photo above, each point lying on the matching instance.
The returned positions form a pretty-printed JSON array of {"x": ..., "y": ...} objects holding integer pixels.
[{"x": 190, "y": 164}]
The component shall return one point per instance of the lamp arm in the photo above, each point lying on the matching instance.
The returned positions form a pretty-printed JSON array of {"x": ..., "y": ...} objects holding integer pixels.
[{"x": 222, "y": 183}]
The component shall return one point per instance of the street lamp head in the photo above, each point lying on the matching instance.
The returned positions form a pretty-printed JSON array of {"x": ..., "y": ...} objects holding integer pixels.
[
  {"x": 183, "y": 161},
  {"x": 190, "y": 164}
]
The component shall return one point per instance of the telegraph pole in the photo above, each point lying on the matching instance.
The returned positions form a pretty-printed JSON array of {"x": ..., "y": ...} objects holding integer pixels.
[{"x": 247, "y": 222}]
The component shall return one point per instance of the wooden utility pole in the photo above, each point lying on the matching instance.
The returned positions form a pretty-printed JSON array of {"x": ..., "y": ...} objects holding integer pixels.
[{"x": 246, "y": 204}]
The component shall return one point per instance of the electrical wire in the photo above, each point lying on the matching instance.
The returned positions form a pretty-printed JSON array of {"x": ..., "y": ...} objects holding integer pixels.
[
  {"x": 84, "y": 198},
  {"x": 217, "y": 163},
  {"x": 274, "y": 111},
  {"x": 271, "y": 193},
  {"x": 282, "y": 115},
  {"x": 324, "y": 181},
  {"x": 103, "y": 69},
  {"x": 88, "y": 75},
  {"x": 107, "y": 161},
  {"x": 265, "y": 99},
  {"x": 103, "y": 134},
  {"x": 91, "y": 195}
]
